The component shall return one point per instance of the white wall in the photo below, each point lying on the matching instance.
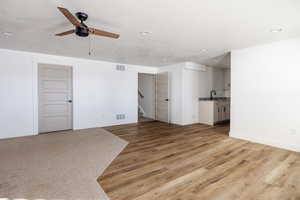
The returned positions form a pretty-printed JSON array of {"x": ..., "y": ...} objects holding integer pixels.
[
  {"x": 100, "y": 92},
  {"x": 16, "y": 94},
  {"x": 146, "y": 84},
  {"x": 196, "y": 83},
  {"x": 188, "y": 82},
  {"x": 227, "y": 82},
  {"x": 265, "y": 91}
]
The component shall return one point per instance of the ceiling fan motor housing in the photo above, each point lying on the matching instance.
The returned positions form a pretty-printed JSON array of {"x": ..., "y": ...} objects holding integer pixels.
[
  {"x": 82, "y": 31},
  {"x": 81, "y": 16}
]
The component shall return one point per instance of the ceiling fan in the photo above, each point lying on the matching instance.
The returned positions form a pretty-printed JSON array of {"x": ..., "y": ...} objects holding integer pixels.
[{"x": 81, "y": 29}]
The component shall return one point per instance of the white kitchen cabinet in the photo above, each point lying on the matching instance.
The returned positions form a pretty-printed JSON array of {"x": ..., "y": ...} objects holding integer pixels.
[
  {"x": 219, "y": 107},
  {"x": 213, "y": 112},
  {"x": 223, "y": 111},
  {"x": 207, "y": 112}
]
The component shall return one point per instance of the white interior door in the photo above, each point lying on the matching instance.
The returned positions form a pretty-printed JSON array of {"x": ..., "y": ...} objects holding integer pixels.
[
  {"x": 55, "y": 98},
  {"x": 162, "y": 97}
]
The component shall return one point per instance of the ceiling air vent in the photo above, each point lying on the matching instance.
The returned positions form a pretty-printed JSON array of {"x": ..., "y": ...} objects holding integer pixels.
[{"x": 120, "y": 67}]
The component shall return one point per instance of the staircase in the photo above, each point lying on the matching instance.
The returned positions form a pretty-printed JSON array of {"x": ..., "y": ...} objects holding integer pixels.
[{"x": 141, "y": 111}]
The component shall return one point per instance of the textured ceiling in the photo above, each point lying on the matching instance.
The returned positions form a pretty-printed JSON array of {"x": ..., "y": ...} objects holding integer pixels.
[
  {"x": 180, "y": 30},
  {"x": 221, "y": 61}
]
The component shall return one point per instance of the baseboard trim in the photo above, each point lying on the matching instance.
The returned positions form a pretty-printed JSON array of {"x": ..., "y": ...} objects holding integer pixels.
[{"x": 290, "y": 147}]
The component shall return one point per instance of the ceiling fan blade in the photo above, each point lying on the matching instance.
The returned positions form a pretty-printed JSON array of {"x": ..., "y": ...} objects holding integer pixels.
[
  {"x": 103, "y": 33},
  {"x": 69, "y": 16},
  {"x": 65, "y": 33}
]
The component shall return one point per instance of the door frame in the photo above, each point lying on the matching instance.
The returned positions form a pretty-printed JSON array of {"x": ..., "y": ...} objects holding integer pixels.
[{"x": 37, "y": 105}]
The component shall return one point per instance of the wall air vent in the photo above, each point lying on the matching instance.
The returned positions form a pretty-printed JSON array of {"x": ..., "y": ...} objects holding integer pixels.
[
  {"x": 195, "y": 67},
  {"x": 120, "y": 67},
  {"x": 120, "y": 116}
]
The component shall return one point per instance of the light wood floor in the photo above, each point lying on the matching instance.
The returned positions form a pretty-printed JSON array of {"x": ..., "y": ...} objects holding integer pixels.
[{"x": 198, "y": 162}]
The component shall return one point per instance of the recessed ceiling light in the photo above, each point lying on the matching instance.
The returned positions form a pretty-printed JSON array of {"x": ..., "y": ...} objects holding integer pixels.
[
  {"x": 144, "y": 33},
  {"x": 276, "y": 30},
  {"x": 203, "y": 50},
  {"x": 7, "y": 34}
]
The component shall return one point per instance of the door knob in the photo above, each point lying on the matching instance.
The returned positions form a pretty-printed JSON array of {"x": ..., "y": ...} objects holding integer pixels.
[
  {"x": 69, "y": 101},
  {"x": 166, "y": 99}
]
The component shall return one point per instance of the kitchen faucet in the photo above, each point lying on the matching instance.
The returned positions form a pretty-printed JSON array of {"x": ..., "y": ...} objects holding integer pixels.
[{"x": 212, "y": 92}]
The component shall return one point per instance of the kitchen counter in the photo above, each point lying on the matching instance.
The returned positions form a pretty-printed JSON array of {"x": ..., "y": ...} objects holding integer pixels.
[{"x": 214, "y": 99}]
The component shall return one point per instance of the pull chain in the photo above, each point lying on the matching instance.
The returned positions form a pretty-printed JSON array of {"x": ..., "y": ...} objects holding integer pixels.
[{"x": 90, "y": 53}]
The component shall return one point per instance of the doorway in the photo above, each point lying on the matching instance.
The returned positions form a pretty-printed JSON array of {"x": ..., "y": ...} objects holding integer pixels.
[
  {"x": 146, "y": 97},
  {"x": 55, "y": 98},
  {"x": 153, "y": 97}
]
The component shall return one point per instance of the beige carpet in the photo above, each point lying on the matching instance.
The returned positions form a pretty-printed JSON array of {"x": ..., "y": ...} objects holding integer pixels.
[{"x": 57, "y": 165}]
